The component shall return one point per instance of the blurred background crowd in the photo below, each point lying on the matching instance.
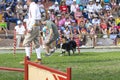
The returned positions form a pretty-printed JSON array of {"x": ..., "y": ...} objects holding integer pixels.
[{"x": 76, "y": 19}]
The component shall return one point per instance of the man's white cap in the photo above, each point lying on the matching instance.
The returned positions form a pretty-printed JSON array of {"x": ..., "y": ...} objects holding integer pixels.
[
  {"x": 74, "y": 0},
  {"x": 110, "y": 16},
  {"x": 56, "y": 2},
  {"x": 50, "y": 7},
  {"x": 97, "y": 0},
  {"x": 85, "y": 9},
  {"x": 19, "y": 22},
  {"x": 90, "y": 0},
  {"x": 7, "y": 8},
  {"x": 25, "y": 20}
]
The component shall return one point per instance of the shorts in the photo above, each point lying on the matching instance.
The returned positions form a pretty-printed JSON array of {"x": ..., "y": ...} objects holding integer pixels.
[{"x": 54, "y": 38}]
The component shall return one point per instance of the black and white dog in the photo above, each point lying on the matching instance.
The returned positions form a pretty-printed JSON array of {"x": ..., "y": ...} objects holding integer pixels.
[{"x": 68, "y": 46}]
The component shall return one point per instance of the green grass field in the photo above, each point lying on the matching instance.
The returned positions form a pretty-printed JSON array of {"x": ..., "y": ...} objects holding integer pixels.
[{"x": 85, "y": 66}]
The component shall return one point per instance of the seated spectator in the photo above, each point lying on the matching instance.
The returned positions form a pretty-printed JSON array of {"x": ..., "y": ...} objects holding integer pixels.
[
  {"x": 52, "y": 15},
  {"x": 77, "y": 14},
  {"x": 117, "y": 20},
  {"x": 62, "y": 22},
  {"x": 114, "y": 5},
  {"x": 83, "y": 36},
  {"x": 97, "y": 6},
  {"x": 63, "y": 7},
  {"x": 20, "y": 31},
  {"x": 9, "y": 16},
  {"x": 67, "y": 22},
  {"x": 67, "y": 33},
  {"x": 103, "y": 26},
  {"x": 110, "y": 22},
  {"x": 3, "y": 24},
  {"x": 2, "y": 5},
  {"x": 90, "y": 8},
  {"x": 19, "y": 10},
  {"x": 74, "y": 26},
  {"x": 88, "y": 25},
  {"x": 76, "y": 38},
  {"x": 113, "y": 32},
  {"x": 107, "y": 6},
  {"x": 73, "y": 7},
  {"x": 55, "y": 7},
  {"x": 68, "y": 3},
  {"x": 95, "y": 21},
  {"x": 118, "y": 36},
  {"x": 85, "y": 13},
  {"x": 25, "y": 12},
  {"x": 80, "y": 19},
  {"x": 41, "y": 6}
]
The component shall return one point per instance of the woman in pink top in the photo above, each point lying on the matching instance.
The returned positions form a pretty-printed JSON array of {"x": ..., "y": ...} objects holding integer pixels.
[{"x": 77, "y": 14}]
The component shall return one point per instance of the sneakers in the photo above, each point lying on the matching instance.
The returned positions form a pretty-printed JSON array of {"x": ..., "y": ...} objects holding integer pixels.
[{"x": 38, "y": 61}]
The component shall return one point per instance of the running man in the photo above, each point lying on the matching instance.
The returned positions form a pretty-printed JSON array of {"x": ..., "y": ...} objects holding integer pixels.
[{"x": 50, "y": 41}]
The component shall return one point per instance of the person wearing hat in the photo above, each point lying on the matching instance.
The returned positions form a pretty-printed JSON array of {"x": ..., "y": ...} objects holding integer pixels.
[
  {"x": 55, "y": 7},
  {"x": 20, "y": 31},
  {"x": 33, "y": 27},
  {"x": 97, "y": 6}
]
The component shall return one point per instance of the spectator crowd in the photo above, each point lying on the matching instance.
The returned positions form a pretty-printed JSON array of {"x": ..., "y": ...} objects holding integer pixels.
[{"x": 75, "y": 19}]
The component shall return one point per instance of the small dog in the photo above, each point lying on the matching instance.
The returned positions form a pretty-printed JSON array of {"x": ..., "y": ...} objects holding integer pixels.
[{"x": 68, "y": 46}]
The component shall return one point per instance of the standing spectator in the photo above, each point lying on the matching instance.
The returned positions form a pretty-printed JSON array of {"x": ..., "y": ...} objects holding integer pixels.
[
  {"x": 20, "y": 31},
  {"x": 32, "y": 34}
]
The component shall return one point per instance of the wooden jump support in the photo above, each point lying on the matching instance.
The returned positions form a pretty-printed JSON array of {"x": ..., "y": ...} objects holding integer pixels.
[
  {"x": 12, "y": 69},
  {"x": 34, "y": 71}
]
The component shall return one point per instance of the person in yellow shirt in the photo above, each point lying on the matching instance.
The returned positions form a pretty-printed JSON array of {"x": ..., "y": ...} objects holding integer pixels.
[{"x": 117, "y": 21}]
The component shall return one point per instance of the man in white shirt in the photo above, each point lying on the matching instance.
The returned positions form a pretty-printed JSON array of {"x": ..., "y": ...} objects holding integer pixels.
[
  {"x": 97, "y": 6},
  {"x": 32, "y": 34},
  {"x": 55, "y": 7},
  {"x": 20, "y": 31},
  {"x": 74, "y": 6}
]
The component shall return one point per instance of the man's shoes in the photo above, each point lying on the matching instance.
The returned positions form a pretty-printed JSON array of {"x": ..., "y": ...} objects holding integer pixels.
[{"x": 39, "y": 61}]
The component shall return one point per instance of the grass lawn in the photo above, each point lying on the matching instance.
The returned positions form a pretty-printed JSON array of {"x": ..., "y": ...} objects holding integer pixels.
[{"x": 85, "y": 66}]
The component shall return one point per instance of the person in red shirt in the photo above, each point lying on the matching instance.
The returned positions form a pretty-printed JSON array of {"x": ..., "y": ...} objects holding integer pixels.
[{"x": 63, "y": 7}]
